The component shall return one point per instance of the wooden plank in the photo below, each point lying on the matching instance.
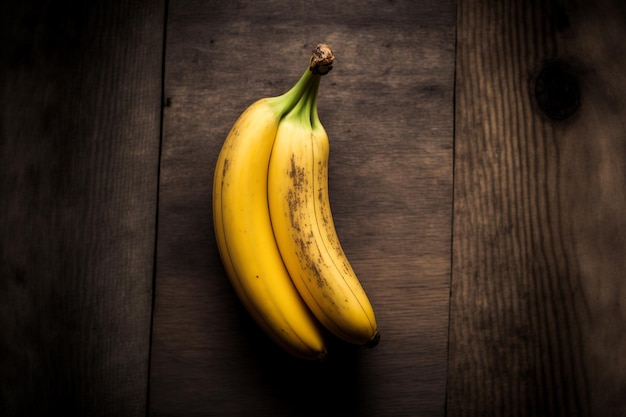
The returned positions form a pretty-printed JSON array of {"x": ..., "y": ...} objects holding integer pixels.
[
  {"x": 80, "y": 84},
  {"x": 388, "y": 109},
  {"x": 538, "y": 325}
]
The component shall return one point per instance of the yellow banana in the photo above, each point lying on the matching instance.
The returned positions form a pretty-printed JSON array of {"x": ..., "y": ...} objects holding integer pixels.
[
  {"x": 304, "y": 228},
  {"x": 243, "y": 228}
]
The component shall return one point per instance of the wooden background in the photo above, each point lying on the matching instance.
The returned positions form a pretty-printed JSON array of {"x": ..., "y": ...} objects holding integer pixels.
[{"x": 478, "y": 177}]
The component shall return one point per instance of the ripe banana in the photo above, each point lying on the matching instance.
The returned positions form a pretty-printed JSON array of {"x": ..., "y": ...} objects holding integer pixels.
[
  {"x": 304, "y": 229},
  {"x": 243, "y": 228}
]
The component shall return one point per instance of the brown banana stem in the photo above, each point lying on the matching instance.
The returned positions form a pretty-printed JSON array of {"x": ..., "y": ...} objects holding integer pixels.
[{"x": 322, "y": 59}]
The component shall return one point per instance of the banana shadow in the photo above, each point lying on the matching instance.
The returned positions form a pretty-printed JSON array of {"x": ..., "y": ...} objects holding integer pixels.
[{"x": 307, "y": 388}]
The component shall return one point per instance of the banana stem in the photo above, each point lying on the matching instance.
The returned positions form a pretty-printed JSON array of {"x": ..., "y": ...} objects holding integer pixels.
[
  {"x": 302, "y": 109},
  {"x": 320, "y": 64},
  {"x": 314, "y": 116},
  {"x": 289, "y": 100},
  {"x": 322, "y": 59}
]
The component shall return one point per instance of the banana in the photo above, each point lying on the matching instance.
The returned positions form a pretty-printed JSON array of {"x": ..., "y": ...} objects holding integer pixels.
[
  {"x": 243, "y": 229},
  {"x": 304, "y": 228}
]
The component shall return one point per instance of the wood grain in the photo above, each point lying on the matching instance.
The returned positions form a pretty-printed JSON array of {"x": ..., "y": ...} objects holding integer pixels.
[
  {"x": 80, "y": 84},
  {"x": 497, "y": 163},
  {"x": 388, "y": 109},
  {"x": 537, "y": 310}
]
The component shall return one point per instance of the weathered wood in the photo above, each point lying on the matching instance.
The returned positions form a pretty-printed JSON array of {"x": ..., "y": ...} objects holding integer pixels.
[
  {"x": 80, "y": 85},
  {"x": 388, "y": 109},
  {"x": 538, "y": 326}
]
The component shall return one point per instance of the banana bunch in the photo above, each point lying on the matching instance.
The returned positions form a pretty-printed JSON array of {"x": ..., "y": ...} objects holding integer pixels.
[{"x": 274, "y": 227}]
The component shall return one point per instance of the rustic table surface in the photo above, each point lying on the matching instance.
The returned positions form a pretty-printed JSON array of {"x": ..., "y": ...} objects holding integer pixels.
[{"x": 478, "y": 184}]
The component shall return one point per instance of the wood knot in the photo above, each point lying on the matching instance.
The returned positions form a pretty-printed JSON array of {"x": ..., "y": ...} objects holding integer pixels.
[{"x": 556, "y": 91}]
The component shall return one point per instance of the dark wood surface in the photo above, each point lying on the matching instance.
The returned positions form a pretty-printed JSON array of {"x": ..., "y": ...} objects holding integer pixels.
[
  {"x": 477, "y": 176},
  {"x": 80, "y": 84},
  {"x": 387, "y": 107},
  {"x": 538, "y": 324}
]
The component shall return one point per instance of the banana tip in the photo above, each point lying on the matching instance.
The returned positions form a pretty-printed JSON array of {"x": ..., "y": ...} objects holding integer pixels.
[
  {"x": 322, "y": 59},
  {"x": 372, "y": 343}
]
